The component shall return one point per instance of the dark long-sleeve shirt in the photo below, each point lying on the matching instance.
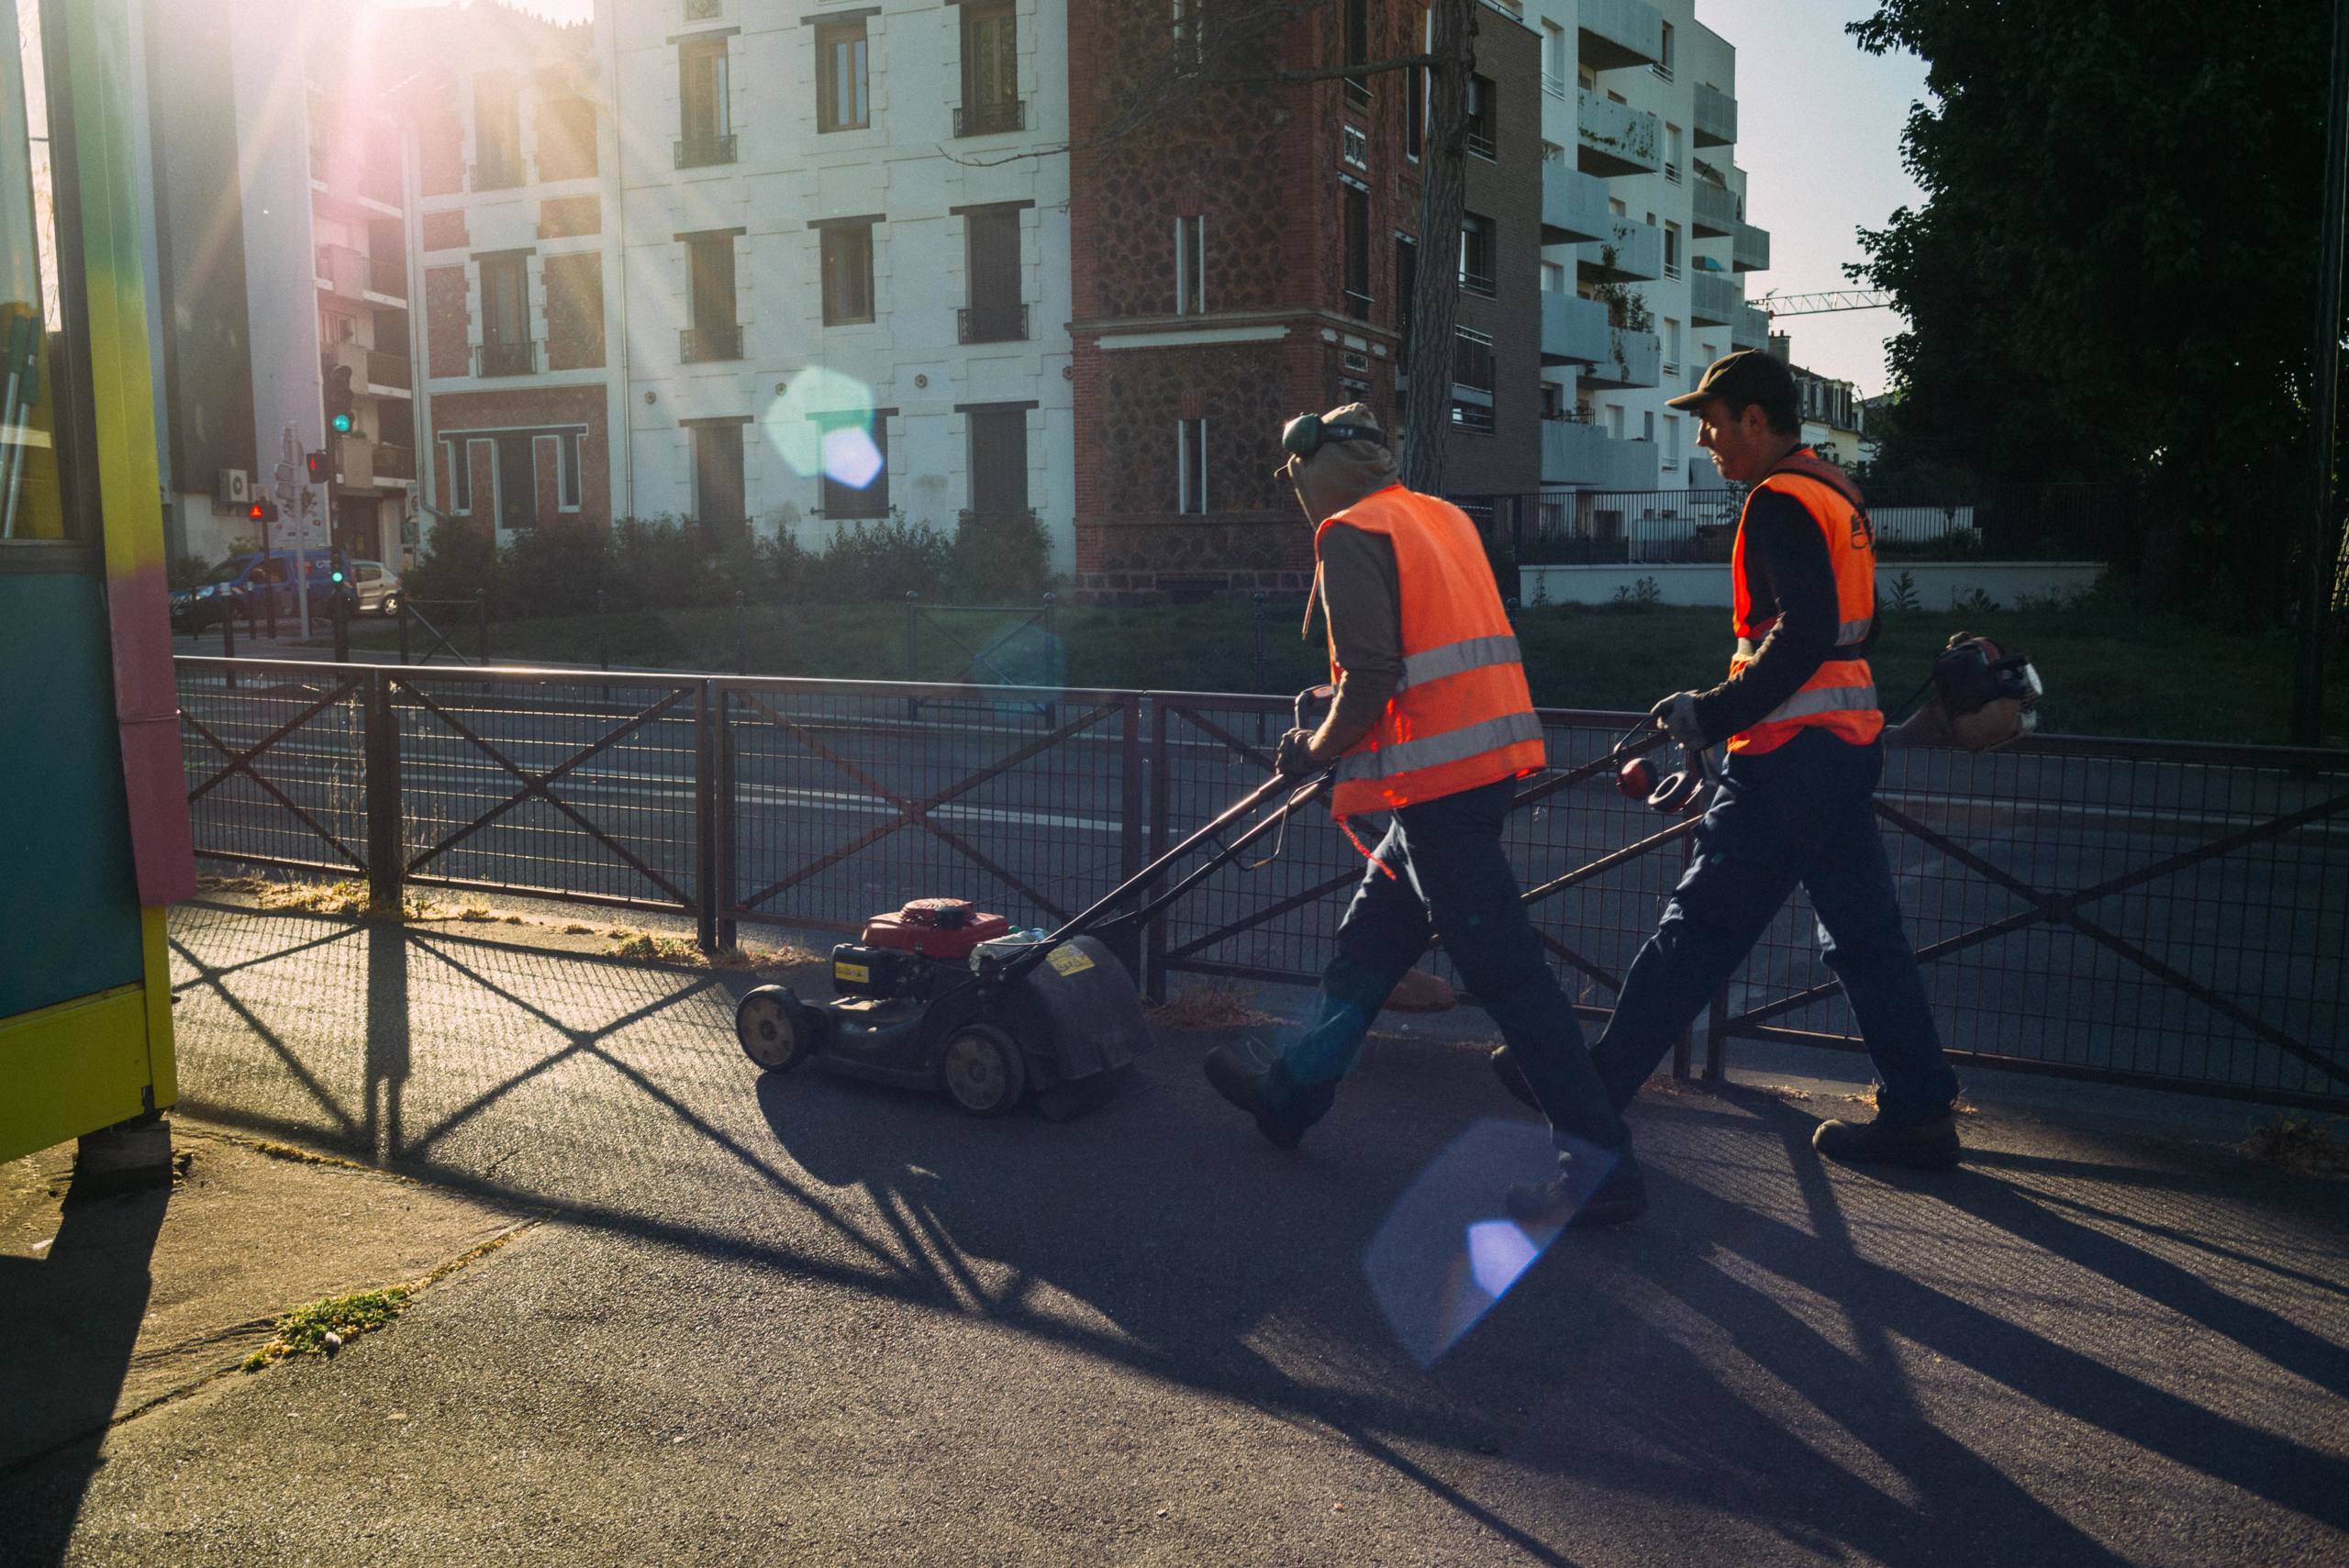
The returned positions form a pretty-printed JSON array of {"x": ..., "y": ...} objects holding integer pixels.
[
  {"x": 1361, "y": 595},
  {"x": 1790, "y": 584}
]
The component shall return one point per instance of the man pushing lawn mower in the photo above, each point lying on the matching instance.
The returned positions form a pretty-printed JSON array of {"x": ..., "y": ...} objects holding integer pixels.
[{"x": 1431, "y": 720}]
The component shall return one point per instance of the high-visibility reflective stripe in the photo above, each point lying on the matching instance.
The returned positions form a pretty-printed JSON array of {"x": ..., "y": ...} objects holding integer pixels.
[
  {"x": 1747, "y": 648},
  {"x": 1823, "y": 699},
  {"x": 1853, "y": 632},
  {"x": 1456, "y": 659},
  {"x": 1452, "y": 746}
]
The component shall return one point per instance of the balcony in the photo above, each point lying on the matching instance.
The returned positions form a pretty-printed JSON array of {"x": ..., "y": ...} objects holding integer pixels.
[
  {"x": 1716, "y": 116},
  {"x": 1714, "y": 298},
  {"x": 1614, "y": 139},
  {"x": 1750, "y": 329},
  {"x": 1749, "y": 248},
  {"x": 354, "y": 460},
  {"x": 1574, "y": 331},
  {"x": 1712, "y": 210},
  {"x": 1619, "y": 33},
  {"x": 1632, "y": 358},
  {"x": 1573, "y": 205},
  {"x": 386, "y": 374},
  {"x": 1583, "y": 454},
  {"x": 1632, "y": 254},
  {"x": 991, "y": 324},
  {"x": 702, "y": 151},
  {"x": 387, "y": 276},
  {"x": 990, "y": 119},
  {"x": 342, "y": 271},
  {"x": 708, "y": 345},
  {"x": 519, "y": 357},
  {"x": 395, "y": 462}
]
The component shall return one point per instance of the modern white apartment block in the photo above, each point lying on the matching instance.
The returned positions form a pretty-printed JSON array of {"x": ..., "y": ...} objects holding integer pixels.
[
  {"x": 1645, "y": 238},
  {"x": 839, "y": 218}
]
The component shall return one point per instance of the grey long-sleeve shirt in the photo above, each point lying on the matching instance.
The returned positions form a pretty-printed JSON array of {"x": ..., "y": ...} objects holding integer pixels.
[{"x": 1362, "y": 596}]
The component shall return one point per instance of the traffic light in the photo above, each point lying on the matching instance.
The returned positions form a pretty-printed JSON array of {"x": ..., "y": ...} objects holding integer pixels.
[
  {"x": 262, "y": 510},
  {"x": 339, "y": 418},
  {"x": 320, "y": 471}
]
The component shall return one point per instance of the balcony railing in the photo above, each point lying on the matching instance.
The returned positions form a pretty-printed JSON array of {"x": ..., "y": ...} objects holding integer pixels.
[
  {"x": 395, "y": 462},
  {"x": 1712, "y": 210},
  {"x": 519, "y": 357},
  {"x": 1714, "y": 298},
  {"x": 708, "y": 345},
  {"x": 1749, "y": 248},
  {"x": 1480, "y": 142},
  {"x": 990, "y": 119},
  {"x": 1573, "y": 205},
  {"x": 501, "y": 173},
  {"x": 1574, "y": 331},
  {"x": 1615, "y": 139},
  {"x": 1476, "y": 283},
  {"x": 1619, "y": 33},
  {"x": 701, "y": 151},
  {"x": 1358, "y": 305},
  {"x": 1716, "y": 116},
  {"x": 1633, "y": 359},
  {"x": 991, "y": 324},
  {"x": 1750, "y": 329},
  {"x": 1632, "y": 251},
  {"x": 385, "y": 369}
]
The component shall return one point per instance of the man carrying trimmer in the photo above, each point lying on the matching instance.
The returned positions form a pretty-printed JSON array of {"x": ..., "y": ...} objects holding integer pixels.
[
  {"x": 1431, "y": 722},
  {"x": 1793, "y": 804}
]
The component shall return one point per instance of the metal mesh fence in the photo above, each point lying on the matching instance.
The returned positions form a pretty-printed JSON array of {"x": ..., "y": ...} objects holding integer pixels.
[{"x": 2168, "y": 915}]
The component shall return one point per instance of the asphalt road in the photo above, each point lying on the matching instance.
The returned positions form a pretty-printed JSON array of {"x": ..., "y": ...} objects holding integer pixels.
[
  {"x": 827, "y": 788},
  {"x": 794, "y": 1320}
]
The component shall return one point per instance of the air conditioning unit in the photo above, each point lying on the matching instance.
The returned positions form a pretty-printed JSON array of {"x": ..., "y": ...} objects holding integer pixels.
[{"x": 231, "y": 487}]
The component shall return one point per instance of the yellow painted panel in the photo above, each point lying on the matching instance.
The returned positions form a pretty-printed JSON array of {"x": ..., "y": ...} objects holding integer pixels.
[
  {"x": 73, "y": 1069},
  {"x": 162, "y": 1049}
]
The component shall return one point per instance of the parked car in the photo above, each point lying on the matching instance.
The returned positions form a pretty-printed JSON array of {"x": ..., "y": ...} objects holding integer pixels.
[
  {"x": 245, "y": 586},
  {"x": 377, "y": 587}
]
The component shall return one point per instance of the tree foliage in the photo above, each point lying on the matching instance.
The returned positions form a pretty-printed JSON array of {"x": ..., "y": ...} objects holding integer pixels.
[{"x": 2113, "y": 275}]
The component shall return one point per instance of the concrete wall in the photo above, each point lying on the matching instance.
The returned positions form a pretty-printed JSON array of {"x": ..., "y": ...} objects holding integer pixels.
[{"x": 1939, "y": 585}]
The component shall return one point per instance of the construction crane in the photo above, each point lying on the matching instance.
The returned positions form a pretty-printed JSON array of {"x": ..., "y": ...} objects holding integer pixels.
[{"x": 1777, "y": 305}]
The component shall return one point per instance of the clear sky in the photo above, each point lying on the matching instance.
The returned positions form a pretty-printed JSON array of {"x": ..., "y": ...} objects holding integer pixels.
[{"x": 1818, "y": 136}]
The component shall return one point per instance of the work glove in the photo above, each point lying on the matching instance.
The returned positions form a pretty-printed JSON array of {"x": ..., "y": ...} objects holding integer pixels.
[
  {"x": 1294, "y": 756},
  {"x": 1678, "y": 713}
]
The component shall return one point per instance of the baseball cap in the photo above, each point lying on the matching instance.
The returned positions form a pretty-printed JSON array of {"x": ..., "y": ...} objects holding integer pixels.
[{"x": 1750, "y": 375}]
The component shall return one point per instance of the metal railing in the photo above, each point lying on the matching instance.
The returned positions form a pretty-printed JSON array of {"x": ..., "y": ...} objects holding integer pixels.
[
  {"x": 984, "y": 118},
  {"x": 704, "y": 345},
  {"x": 991, "y": 324},
  {"x": 700, "y": 151},
  {"x": 519, "y": 357},
  {"x": 2171, "y": 916}
]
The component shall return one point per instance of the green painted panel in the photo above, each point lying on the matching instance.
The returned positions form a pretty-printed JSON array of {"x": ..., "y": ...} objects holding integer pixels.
[{"x": 69, "y": 900}]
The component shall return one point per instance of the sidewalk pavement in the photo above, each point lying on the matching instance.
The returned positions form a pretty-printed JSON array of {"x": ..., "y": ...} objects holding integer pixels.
[{"x": 797, "y": 1319}]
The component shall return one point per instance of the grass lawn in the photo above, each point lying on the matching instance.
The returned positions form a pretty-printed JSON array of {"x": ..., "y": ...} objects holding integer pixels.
[{"x": 2108, "y": 672}]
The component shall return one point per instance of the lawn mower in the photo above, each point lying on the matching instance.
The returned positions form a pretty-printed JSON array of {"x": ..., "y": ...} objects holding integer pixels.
[{"x": 941, "y": 996}]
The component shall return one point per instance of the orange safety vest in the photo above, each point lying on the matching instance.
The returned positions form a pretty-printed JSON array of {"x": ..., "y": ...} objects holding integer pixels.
[
  {"x": 1461, "y": 715},
  {"x": 1840, "y": 696}
]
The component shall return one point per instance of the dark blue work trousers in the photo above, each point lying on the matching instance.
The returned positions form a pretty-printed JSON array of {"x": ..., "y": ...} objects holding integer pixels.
[
  {"x": 1802, "y": 815},
  {"x": 1452, "y": 879}
]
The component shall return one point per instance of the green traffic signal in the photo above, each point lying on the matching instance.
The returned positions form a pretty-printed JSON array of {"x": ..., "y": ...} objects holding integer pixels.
[{"x": 342, "y": 424}]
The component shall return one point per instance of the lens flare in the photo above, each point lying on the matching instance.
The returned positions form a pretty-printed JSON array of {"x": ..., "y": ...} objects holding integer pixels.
[
  {"x": 814, "y": 411},
  {"x": 851, "y": 458}
]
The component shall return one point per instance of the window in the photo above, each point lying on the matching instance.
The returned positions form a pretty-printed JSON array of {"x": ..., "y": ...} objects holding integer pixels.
[
  {"x": 990, "y": 70},
  {"x": 1415, "y": 112},
  {"x": 1407, "y": 283},
  {"x": 710, "y": 287},
  {"x": 566, "y": 137},
  {"x": 1190, "y": 266},
  {"x": 848, "y": 272},
  {"x": 497, "y": 131},
  {"x": 1553, "y": 277},
  {"x": 843, "y": 90},
  {"x": 1671, "y": 347},
  {"x": 991, "y": 242},
  {"x": 506, "y": 345},
  {"x": 460, "y": 476},
  {"x": 1357, "y": 46},
  {"x": 998, "y": 461},
  {"x": 848, "y": 459},
  {"x": 1671, "y": 153},
  {"x": 1477, "y": 251},
  {"x": 706, "y": 121},
  {"x": 1483, "y": 118},
  {"x": 1355, "y": 144},
  {"x": 1647, "y": 424},
  {"x": 1357, "y": 252},
  {"x": 1615, "y": 421},
  {"x": 1472, "y": 379},
  {"x": 1553, "y": 58},
  {"x": 566, "y": 471},
  {"x": 718, "y": 501},
  {"x": 1552, "y": 153},
  {"x": 1663, "y": 67},
  {"x": 1191, "y": 465},
  {"x": 1671, "y": 250},
  {"x": 1672, "y": 443}
]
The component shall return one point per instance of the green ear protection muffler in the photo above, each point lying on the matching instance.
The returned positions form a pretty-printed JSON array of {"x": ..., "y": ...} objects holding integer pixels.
[{"x": 1306, "y": 434}]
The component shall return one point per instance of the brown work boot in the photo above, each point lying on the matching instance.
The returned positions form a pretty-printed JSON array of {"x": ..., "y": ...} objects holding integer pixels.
[
  {"x": 1569, "y": 1199},
  {"x": 1241, "y": 1081},
  {"x": 1929, "y": 1145}
]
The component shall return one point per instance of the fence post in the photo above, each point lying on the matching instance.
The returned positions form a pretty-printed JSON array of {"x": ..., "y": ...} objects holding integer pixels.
[
  {"x": 481, "y": 618},
  {"x": 741, "y": 644},
  {"x": 400, "y": 615},
  {"x": 913, "y": 651},
  {"x": 386, "y": 854},
  {"x": 228, "y": 649},
  {"x": 341, "y": 611},
  {"x": 1155, "y": 960},
  {"x": 729, "y": 935},
  {"x": 705, "y": 821},
  {"x": 1130, "y": 814}
]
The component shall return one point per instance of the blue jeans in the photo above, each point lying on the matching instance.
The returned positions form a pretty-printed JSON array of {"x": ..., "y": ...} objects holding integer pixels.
[
  {"x": 1452, "y": 879},
  {"x": 1801, "y": 813}
]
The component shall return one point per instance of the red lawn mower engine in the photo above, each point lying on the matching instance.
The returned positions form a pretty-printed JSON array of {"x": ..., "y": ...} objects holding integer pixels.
[{"x": 927, "y": 942}]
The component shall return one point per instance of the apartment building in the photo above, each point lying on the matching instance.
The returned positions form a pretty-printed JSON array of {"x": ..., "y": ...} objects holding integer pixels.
[
  {"x": 1646, "y": 243},
  {"x": 517, "y": 248},
  {"x": 1834, "y": 415},
  {"x": 278, "y": 266},
  {"x": 1253, "y": 253}
]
